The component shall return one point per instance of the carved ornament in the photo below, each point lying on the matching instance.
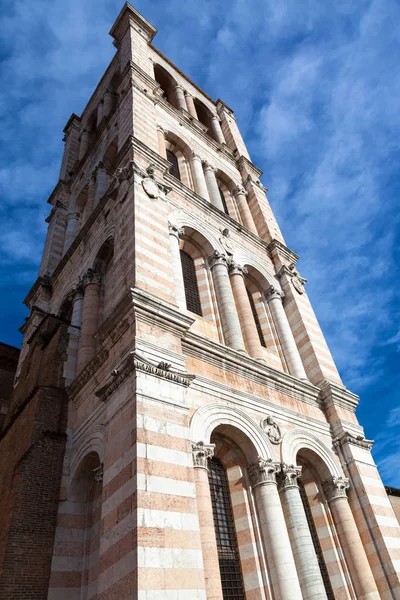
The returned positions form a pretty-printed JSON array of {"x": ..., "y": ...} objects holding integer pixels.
[
  {"x": 272, "y": 430},
  {"x": 217, "y": 259},
  {"x": 272, "y": 293},
  {"x": 263, "y": 471},
  {"x": 226, "y": 242},
  {"x": 201, "y": 453},
  {"x": 91, "y": 276},
  {"x": 175, "y": 230},
  {"x": 288, "y": 476},
  {"x": 358, "y": 440},
  {"x": 336, "y": 487},
  {"x": 236, "y": 269},
  {"x": 298, "y": 282}
]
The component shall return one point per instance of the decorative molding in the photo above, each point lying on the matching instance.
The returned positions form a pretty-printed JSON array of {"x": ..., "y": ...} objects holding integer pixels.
[
  {"x": 217, "y": 258},
  {"x": 348, "y": 438},
  {"x": 336, "y": 488},
  {"x": 282, "y": 251},
  {"x": 201, "y": 453},
  {"x": 337, "y": 395},
  {"x": 272, "y": 430},
  {"x": 263, "y": 471},
  {"x": 87, "y": 373},
  {"x": 295, "y": 277},
  {"x": 135, "y": 362},
  {"x": 91, "y": 276},
  {"x": 272, "y": 293},
  {"x": 151, "y": 309},
  {"x": 175, "y": 230},
  {"x": 236, "y": 269},
  {"x": 288, "y": 476},
  {"x": 239, "y": 190}
]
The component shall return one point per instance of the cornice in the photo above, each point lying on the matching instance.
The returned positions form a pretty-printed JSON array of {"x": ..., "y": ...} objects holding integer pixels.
[
  {"x": 61, "y": 186},
  {"x": 348, "y": 438},
  {"x": 87, "y": 373},
  {"x": 333, "y": 394},
  {"x": 282, "y": 250},
  {"x": 150, "y": 309},
  {"x": 127, "y": 15},
  {"x": 72, "y": 118},
  {"x": 243, "y": 161}
]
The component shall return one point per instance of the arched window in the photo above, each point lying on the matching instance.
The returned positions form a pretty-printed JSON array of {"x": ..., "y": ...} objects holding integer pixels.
[
  {"x": 174, "y": 168},
  {"x": 256, "y": 319},
  {"x": 221, "y": 193},
  {"x": 190, "y": 281},
  {"x": 227, "y": 546},
  {"x": 167, "y": 83}
]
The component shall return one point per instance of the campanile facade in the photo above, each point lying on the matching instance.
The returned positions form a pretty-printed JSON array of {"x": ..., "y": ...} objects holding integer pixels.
[{"x": 178, "y": 428}]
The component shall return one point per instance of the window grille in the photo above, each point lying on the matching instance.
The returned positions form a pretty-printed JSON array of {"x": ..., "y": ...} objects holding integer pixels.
[
  {"x": 317, "y": 545},
  {"x": 256, "y": 319},
  {"x": 174, "y": 168},
  {"x": 221, "y": 193},
  {"x": 228, "y": 554},
  {"x": 190, "y": 282}
]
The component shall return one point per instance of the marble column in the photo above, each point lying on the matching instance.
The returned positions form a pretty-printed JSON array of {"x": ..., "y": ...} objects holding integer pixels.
[
  {"x": 198, "y": 177},
  {"x": 246, "y": 318},
  {"x": 226, "y": 304},
  {"x": 212, "y": 186},
  {"x": 161, "y": 142},
  {"x": 190, "y": 105},
  {"x": 100, "y": 113},
  {"x": 216, "y": 127},
  {"x": 90, "y": 315},
  {"x": 84, "y": 145},
  {"x": 108, "y": 100},
  {"x": 305, "y": 558},
  {"x": 244, "y": 209},
  {"x": 201, "y": 453},
  {"x": 71, "y": 230},
  {"x": 180, "y": 96},
  {"x": 74, "y": 331},
  {"x": 282, "y": 568},
  {"x": 174, "y": 238},
  {"x": 349, "y": 538},
  {"x": 102, "y": 182},
  {"x": 285, "y": 335}
]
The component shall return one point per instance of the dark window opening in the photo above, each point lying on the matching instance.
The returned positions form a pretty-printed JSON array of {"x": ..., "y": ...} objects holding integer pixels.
[
  {"x": 256, "y": 319},
  {"x": 190, "y": 282},
  {"x": 174, "y": 168},
  {"x": 221, "y": 193},
  {"x": 317, "y": 546},
  {"x": 228, "y": 553}
]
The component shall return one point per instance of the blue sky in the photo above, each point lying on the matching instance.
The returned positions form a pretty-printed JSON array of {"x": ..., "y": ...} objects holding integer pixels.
[{"x": 316, "y": 88}]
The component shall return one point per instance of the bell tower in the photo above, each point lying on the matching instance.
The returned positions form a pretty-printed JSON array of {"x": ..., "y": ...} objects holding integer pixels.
[{"x": 181, "y": 402}]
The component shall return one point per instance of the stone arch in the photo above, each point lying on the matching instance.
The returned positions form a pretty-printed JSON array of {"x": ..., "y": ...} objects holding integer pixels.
[
  {"x": 204, "y": 115},
  {"x": 319, "y": 455},
  {"x": 226, "y": 185},
  {"x": 167, "y": 83},
  {"x": 94, "y": 443},
  {"x": 183, "y": 153},
  {"x": 248, "y": 434},
  {"x": 195, "y": 225},
  {"x": 256, "y": 268}
]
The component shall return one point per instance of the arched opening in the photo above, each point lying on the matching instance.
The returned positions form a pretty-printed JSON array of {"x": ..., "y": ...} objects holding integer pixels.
[
  {"x": 65, "y": 311},
  {"x": 167, "y": 83},
  {"x": 193, "y": 302},
  {"x": 226, "y": 187},
  {"x": 178, "y": 155},
  {"x": 204, "y": 115},
  {"x": 222, "y": 196},
  {"x": 174, "y": 168},
  {"x": 103, "y": 266}
]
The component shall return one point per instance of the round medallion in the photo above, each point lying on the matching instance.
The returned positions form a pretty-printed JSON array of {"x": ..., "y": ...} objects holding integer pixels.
[{"x": 150, "y": 187}]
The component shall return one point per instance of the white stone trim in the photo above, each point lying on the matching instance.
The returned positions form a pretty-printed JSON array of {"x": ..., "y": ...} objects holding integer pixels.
[
  {"x": 164, "y": 519},
  {"x": 296, "y": 439},
  {"x": 169, "y": 558}
]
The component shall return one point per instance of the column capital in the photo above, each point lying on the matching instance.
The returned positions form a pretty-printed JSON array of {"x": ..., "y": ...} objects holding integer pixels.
[
  {"x": 161, "y": 129},
  {"x": 239, "y": 190},
  {"x": 187, "y": 93},
  {"x": 91, "y": 276},
  {"x": 216, "y": 117},
  {"x": 177, "y": 86},
  {"x": 288, "y": 476},
  {"x": 201, "y": 452},
  {"x": 78, "y": 291},
  {"x": 208, "y": 166},
  {"x": 217, "y": 259},
  {"x": 73, "y": 215},
  {"x": 195, "y": 156},
  {"x": 236, "y": 268},
  {"x": 336, "y": 487},
  {"x": 272, "y": 293},
  {"x": 175, "y": 230},
  {"x": 263, "y": 471}
]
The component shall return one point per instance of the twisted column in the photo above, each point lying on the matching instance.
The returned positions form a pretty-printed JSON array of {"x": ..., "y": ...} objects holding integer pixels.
[
  {"x": 71, "y": 230},
  {"x": 246, "y": 318},
  {"x": 198, "y": 177},
  {"x": 226, "y": 303},
  {"x": 212, "y": 186},
  {"x": 285, "y": 582},
  {"x": 201, "y": 453},
  {"x": 174, "y": 237},
  {"x": 244, "y": 209},
  {"x": 180, "y": 96},
  {"x": 360, "y": 571},
  {"x": 216, "y": 127},
  {"x": 309, "y": 573},
  {"x": 190, "y": 105},
  {"x": 161, "y": 142},
  {"x": 285, "y": 335},
  {"x": 91, "y": 282}
]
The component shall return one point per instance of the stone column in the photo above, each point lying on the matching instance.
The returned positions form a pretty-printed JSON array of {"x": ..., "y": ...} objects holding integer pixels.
[
  {"x": 285, "y": 335},
  {"x": 198, "y": 177},
  {"x": 216, "y": 127},
  {"x": 246, "y": 318},
  {"x": 201, "y": 454},
  {"x": 349, "y": 538},
  {"x": 226, "y": 303},
  {"x": 90, "y": 316},
  {"x": 84, "y": 145},
  {"x": 100, "y": 113},
  {"x": 161, "y": 142},
  {"x": 180, "y": 96},
  {"x": 71, "y": 230},
  {"x": 212, "y": 186},
  {"x": 190, "y": 105},
  {"x": 74, "y": 331},
  {"x": 108, "y": 100},
  {"x": 244, "y": 209},
  {"x": 174, "y": 235},
  {"x": 282, "y": 568},
  {"x": 305, "y": 558},
  {"x": 102, "y": 181}
]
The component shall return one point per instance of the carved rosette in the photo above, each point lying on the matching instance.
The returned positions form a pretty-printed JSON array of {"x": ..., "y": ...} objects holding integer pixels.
[
  {"x": 273, "y": 293},
  {"x": 336, "y": 487},
  {"x": 263, "y": 471},
  {"x": 201, "y": 453},
  {"x": 217, "y": 259},
  {"x": 288, "y": 477},
  {"x": 91, "y": 276},
  {"x": 175, "y": 230}
]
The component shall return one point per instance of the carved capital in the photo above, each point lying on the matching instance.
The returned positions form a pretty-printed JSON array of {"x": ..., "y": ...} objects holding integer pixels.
[
  {"x": 73, "y": 216},
  {"x": 208, "y": 166},
  {"x": 288, "y": 476},
  {"x": 217, "y": 259},
  {"x": 272, "y": 293},
  {"x": 161, "y": 129},
  {"x": 239, "y": 190},
  {"x": 78, "y": 292},
  {"x": 201, "y": 453},
  {"x": 358, "y": 440},
  {"x": 236, "y": 269},
  {"x": 263, "y": 471},
  {"x": 98, "y": 473},
  {"x": 91, "y": 276},
  {"x": 175, "y": 230},
  {"x": 336, "y": 487}
]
